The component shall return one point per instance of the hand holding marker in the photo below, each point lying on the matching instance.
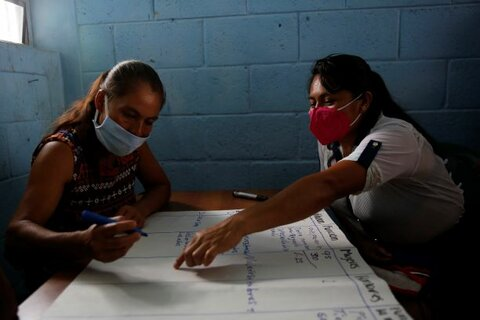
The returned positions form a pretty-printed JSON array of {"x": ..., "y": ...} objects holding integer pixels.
[
  {"x": 95, "y": 218},
  {"x": 251, "y": 196}
]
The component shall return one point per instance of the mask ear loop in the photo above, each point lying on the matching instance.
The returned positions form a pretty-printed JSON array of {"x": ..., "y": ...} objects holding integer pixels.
[
  {"x": 358, "y": 116},
  {"x": 341, "y": 108},
  {"x": 356, "y": 119},
  {"x": 105, "y": 104},
  {"x": 97, "y": 114}
]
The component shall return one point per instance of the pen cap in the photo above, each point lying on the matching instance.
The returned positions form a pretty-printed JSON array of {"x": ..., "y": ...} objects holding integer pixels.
[
  {"x": 261, "y": 197},
  {"x": 251, "y": 196}
]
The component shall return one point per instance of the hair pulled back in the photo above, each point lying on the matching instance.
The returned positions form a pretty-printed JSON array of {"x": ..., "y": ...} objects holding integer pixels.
[{"x": 119, "y": 81}]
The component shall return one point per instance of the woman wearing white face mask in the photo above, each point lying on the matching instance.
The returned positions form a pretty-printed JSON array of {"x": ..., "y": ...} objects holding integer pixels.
[
  {"x": 90, "y": 160},
  {"x": 378, "y": 172}
]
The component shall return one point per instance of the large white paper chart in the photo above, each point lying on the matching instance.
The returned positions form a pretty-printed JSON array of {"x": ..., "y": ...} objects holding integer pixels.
[{"x": 304, "y": 270}]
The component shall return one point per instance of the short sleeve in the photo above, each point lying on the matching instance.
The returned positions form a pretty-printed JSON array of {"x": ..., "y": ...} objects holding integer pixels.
[
  {"x": 67, "y": 136},
  {"x": 398, "y": 156}
]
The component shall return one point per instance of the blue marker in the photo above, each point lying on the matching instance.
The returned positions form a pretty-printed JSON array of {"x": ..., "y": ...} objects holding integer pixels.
[{"x": 93, "y": 217}]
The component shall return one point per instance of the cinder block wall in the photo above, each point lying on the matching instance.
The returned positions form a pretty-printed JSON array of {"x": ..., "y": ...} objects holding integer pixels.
[
  {"x": 236, "y": 72},
  {"x": 31, "y": 96}
]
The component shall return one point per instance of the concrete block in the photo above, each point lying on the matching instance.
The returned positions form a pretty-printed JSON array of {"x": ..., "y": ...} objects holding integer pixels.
[
  {"x": 175, "y": 9},
  {"x": 18, "y": 58},
  {"x": 46, "y": 77},
  {"x": 460, "y": 127},
  {"x": 87, "y": 80},
  {"x": 415, "y": 85},
  {"x": 206, "y": 91},
  {"x": 185, "y": 176},
  {"x": 23, "y": 137},
  {"x": 5, "y": 62},
  {"x": 194, "y": 176},
  {"x": 307, "y": 143},
  {"x": 279, "y": 88},
  {"x": 263, "y": 6},
  {"x": 25, "y": 97},
  {"x": 96, "y": 44},
  {"x": 392, "y": 3},
  {"x": 228, "y": 175},
  {"x": 105, "y": 11},
  {"x": 8, "y": 101},
  {"x": 440, "y": 32},
  {"x": 349, "y": 31},
  {"x": 55, "y": 85},
  {"x": 279, "y": 174},
  {"x": 464, "y": 84},
  {"x": 27, "y": 59},
  {"x": 232, "y": 175},
  {"x": 178, "y": 138},
  {"x": 55, "y": 28},
  {"x": 253, "y": 39},
  {"x": 251, "y": 137},
  {"x": 40, "y": 88},
  {"x": 162, "y": 44},
  {"x": 4, "y": 152}
]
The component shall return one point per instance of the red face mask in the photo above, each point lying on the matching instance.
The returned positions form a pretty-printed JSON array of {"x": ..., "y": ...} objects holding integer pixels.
[{"x": 329, "y": 124}]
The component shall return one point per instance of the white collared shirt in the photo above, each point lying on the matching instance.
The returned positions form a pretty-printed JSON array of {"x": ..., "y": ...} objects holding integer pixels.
[{"x": 408, "y": 196}]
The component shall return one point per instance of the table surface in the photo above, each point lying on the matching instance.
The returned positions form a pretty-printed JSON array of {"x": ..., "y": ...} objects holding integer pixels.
[{"x": 37, "y": 303}]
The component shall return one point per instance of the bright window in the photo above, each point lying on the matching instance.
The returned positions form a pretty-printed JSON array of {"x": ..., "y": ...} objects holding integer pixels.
[{"x": 13, "y": 21}]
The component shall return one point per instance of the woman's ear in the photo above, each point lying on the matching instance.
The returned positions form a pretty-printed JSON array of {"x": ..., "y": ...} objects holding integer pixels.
[
  {"x": 100, "y": 100},
  {"x": 366, "y": 100}
]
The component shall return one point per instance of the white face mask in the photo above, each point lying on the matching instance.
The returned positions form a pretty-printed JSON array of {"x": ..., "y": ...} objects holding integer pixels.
[{"x": 114, "y": 137}]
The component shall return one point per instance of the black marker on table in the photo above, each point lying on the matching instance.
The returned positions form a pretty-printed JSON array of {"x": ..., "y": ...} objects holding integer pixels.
[{"x": 250, "y": 196}]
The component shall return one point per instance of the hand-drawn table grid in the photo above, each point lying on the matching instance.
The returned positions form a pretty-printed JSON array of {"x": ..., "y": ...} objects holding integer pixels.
[{"x": 304, "y": 270}]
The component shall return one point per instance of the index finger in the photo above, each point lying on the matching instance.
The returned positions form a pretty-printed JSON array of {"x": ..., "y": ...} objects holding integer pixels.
[
  {"x": 178, "y": 263},
  {"x": 186, "y": 253}
]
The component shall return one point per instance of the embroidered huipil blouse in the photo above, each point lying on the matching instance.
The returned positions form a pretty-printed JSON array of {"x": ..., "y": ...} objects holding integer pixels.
[{"x": 102, "y": 187}]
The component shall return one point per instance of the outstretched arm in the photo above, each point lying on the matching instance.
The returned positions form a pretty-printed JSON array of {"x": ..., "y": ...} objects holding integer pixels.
[{"x": 298, "y": 201}]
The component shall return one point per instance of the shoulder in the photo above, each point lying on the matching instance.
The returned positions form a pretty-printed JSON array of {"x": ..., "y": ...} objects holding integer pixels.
[
  {"x": 67, "y": 137},
  {"x": 387, "y": 124},
  {"x": 56, "y": 153},
  {"x": 55, "y": 157},
  {"x": 398, "y": 141},
  {"x": 398, "y": 152},
  {"x": 54, "y": 162},
  {"x": 394, "y": 134}
]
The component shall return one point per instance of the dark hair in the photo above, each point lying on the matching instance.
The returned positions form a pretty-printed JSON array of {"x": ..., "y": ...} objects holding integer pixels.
[
  {"x": 352, "y": 73},
  {"x": 117, "y": 82}
]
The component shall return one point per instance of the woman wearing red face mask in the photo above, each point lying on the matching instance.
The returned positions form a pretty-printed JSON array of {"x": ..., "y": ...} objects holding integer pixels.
[{"x": 379, "y": 173}]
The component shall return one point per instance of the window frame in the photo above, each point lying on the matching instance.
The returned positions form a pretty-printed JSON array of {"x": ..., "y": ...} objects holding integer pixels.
[{"x": 27, "y": 25}]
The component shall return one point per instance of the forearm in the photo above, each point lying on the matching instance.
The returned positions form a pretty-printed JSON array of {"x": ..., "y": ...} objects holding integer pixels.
[
  {"x": 303, "y": 198},
  {"x": 153, "y": 199},
  {"x": 296, "y": 202},
  {"x": 25, "y": 239}
]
